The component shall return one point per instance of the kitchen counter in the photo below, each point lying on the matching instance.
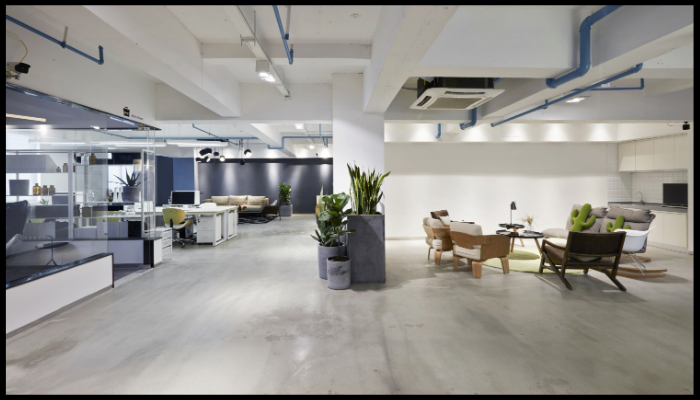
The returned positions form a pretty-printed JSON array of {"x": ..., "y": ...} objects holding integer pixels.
[{"x": 650, "y": 206}]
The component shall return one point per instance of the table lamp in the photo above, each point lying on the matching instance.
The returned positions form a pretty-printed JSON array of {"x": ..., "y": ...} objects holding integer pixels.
[{"x": 512, "y": 207}]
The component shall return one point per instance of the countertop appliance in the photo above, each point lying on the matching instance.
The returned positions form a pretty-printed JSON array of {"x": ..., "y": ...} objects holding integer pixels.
[{"x": 675, "y": 194}]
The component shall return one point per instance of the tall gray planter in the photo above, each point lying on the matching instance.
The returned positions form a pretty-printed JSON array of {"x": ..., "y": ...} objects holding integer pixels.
[
  {"x": 286, "y": 210},
  {"x": 339, "y": 274},
  {"x": 366, "y": 248},
  {"x": 130, "y": 194},
  {"x": 323, "y": 254}
]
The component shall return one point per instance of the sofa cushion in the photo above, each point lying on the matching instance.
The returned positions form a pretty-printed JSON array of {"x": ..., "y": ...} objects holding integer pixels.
[
  {"x": 255, "y": 200},
  {"x": 434, "y": 243},
  {"x": 437, "y": 214},
  {"x": 598, "y": 212},
  {"x": 220, "y": 200},
  {"x": 237, "y": 200},
  {"x": 254, "y": 208},
  {"x": 445, "y": 220},
  {"x": 434, "y": 223},
  {"x": 474, "y": 253},
  {"x": 556, "y": 233},
  {"x": 469, "y": 229},
  {"x": 631, "y": 215}
]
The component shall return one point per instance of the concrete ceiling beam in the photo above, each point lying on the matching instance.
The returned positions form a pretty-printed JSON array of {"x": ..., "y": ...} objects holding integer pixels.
[
  {"x": 402, "y": 37},
  {"x": 301, "y": 51}
]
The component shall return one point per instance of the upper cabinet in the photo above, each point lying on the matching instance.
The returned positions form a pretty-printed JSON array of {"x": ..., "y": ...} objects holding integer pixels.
[
  {"x": 667, "y": 153},
  {"x": 625, "y": 156}
]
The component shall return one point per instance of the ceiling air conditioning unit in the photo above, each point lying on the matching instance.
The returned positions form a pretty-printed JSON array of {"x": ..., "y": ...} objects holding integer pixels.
[{"x": 454, "y": 93}]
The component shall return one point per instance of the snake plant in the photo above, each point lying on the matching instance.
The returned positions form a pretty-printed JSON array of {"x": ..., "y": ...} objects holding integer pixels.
[
  {"x": 131, "y": 180},
  {"x": 365, "y": 190}
]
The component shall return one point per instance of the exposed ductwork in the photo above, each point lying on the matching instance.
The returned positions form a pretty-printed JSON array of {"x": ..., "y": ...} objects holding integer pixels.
[{"x": 470, "y": 123}]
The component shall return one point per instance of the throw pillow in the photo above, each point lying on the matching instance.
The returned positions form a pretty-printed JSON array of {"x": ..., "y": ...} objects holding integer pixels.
[
  {"x": 579, "y": 218},
  {"x": 619, "y": 222},
  {"x": 445, "y": 220},
  {"x": 255, "y": 200},
  {"x": 220, "y": 200},
  {"x": 237, "y": 200},
  {"x": 274, "y": 203}
]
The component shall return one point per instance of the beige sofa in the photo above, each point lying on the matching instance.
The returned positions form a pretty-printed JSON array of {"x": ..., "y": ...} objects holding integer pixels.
[{"x": 251, "y": 203}]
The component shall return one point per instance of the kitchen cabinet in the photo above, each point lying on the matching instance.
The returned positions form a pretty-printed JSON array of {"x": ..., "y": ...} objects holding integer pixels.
[
  {"x": 664, "y": 153},
  {"x": 644, "y": 155},
  {"x": 669, "y": 229},
  {"x": 657, "y": 234},
  {"x": 625, "y": 156},
  {"x": 680, "y": 150}
]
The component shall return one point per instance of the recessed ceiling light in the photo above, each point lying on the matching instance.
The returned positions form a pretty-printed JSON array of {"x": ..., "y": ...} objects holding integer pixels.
[
  {"x": 299, "y": 126},
  {"x": 25, "y": 117},
  {"x": 576, "y": 100},
  {"x": 311, "y": 146}
]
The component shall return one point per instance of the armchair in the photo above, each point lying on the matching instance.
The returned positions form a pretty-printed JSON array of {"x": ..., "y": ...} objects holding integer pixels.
[
  {"x": 597, "y": 251},
  {"x": 438, "y": 238},
  {"x": 273, "y": 209},
  {"x": 442, "y": 216},
  {"x": 469, "y": 243}
]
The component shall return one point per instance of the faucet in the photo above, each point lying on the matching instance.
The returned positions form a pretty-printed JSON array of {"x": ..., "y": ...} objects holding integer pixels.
[{"x": 641, "y": 198}]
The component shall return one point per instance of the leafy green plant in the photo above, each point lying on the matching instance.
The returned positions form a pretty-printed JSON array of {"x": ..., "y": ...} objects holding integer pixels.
[
  {"x": 365, "y": 190},
  {"x": 325, "y": 229},
  {"x": 336, "y": 216},
  {"x": 131, "y": 180},
  {"x": 43, "y": 202},
  {"x": 285, "y": 194}
]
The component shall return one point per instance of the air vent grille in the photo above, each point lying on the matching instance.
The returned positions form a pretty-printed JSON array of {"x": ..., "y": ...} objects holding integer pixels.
[
  {"x": 452, "y": 103},
  {"x": 425, "y": 100}
]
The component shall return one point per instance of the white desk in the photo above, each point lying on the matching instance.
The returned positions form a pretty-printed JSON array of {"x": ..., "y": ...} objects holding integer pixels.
[{"x": 215, "y": 224}]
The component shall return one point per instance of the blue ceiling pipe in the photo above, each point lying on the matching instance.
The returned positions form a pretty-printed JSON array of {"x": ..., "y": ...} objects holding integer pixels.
[
  {"x": 439, "y": 131},
  {"x": 576, "y": 92},
  {"x": 470, "y": 123},
  {"x": 62, "y": 44},
  {"x": 584, "y": 48},
  {"x": 290, "y": 53},
  {"x": 640, "y": 87}
]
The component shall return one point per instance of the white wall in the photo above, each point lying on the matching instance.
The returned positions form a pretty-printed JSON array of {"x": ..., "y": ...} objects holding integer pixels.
[
  {"x": 477, "y": 182},
  {"x": 358, "y": 137}
]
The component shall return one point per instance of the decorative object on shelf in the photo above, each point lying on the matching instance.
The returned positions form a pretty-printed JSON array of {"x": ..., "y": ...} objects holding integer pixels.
[
  {"x": 93, "y": 159},
  {"x": 52, "y": 190},
  {"x": 43, "y": 202},
  {"x": 36, "y": 189},
  {"x": 365, "y": 190},
  {"x": 337, "y": 267},
  {"x": 65, "y": 167},
  {"x": 73, "y": 167},
  {"x": 19, "y": 187},
  {"x": 619, "y": 222},
  {"x": 529, "y": 220},
  {"x": 44, "y": 190},
  {"x": 285, "y": 197},
  {"x": 130, "y": 189},
  {"x": 579, "y": 218},
  {"x": 84, "y": 159},
  {"x": 366, "y": 247},
  {"x": 512, "y": 207},
  {"x": 326, "y": 248},
  {"x": 58, "y": 169}
]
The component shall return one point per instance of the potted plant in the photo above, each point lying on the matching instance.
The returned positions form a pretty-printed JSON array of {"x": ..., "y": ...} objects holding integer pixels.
[
  {"x": 366, "y": 247},
  {"x": 337, "y": 266},
  {"x": 130, "y": 191},
  {"x": 285, "y": 196},
  {"x": 326, "y": 244}
]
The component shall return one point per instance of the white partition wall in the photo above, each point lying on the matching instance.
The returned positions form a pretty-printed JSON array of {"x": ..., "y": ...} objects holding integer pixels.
[
  {"x": 477, "y": 182},
  {"x": 357, "y": 137}
]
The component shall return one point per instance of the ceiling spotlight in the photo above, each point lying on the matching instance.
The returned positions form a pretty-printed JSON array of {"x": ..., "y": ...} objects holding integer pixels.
[
  {"x": 242, "y": 161},
  {"x": 576, "y": 100},
  {"x": 198, "y": 159},
  {"x": 299, "y": 126},
  {"x": 222, "y": 158},
  {"x": 311, "y": 146},
  {"x": 204, "y": 152},
  {"x": 247, "y": 153},
  {"x": 216, "y": 154}
]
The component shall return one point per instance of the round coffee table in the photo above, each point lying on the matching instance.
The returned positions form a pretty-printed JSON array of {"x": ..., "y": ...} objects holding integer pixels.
[{"x": 523, "y": 235}]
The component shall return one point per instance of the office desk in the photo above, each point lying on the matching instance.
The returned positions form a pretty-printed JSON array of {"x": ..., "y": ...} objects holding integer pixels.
[{"x": 215, "y": 225}]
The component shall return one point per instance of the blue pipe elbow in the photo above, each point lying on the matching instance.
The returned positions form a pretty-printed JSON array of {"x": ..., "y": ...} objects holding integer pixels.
[
  {"x": 470, "y": 123},
  {"x": 439, "y": 131}
]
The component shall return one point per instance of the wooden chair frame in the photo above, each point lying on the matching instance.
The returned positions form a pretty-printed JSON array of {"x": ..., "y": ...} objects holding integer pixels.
[
  {"x": 567, "y": 263},
  {"x": 442, "y": 234},
  {"x": 492, "y": 246}
]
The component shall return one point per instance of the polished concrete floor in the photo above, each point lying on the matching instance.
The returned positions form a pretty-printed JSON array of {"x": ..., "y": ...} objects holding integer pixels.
[{"x": 252, "y": 316}]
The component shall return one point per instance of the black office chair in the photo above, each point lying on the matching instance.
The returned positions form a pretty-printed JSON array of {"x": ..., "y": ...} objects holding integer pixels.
[{"x": 15, "y": 218}]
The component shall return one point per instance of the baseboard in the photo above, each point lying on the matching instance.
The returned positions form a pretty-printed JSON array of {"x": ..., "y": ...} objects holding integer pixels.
[
  {"x": 55, "y": 313},
  {"x": 406, "y": 238}
]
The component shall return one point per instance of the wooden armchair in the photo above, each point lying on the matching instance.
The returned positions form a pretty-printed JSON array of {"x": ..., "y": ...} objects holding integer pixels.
[
  {"x": 597, "y": 251},
  {"x": 438, "y": 237},
  {"x": 469, "y": 243},
  {"x": 443, "y": 216}
]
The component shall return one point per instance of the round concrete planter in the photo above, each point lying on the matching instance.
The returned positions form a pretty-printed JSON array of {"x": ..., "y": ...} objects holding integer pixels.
[
  {"x": 338, "y": 273},
  {"x": 286, "y": 210},
  {"x": 131, "y": 194},
  {"x": 324, "y": 253}
]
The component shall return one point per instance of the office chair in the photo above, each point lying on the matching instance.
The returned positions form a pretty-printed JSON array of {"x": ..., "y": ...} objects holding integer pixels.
[
  {"x": 15, "y": 219},
  {"x": 177, "y": 220}
]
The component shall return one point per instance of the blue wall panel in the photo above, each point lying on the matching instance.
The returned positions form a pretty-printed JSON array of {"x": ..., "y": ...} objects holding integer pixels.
[
  {"x": 164, "y": 179},
  {"x": 183, "y": 174}
]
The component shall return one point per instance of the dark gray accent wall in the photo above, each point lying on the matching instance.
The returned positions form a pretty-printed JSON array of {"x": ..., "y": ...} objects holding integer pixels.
[
  {"x": 164, "y": 179},
  {"x": 261, "y": 177},
  {"x": 183, "y": 173}
]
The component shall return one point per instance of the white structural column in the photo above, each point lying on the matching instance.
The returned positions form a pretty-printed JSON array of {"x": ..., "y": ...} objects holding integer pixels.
[
  {"x": 358, "y": 137},
  {"x": 691, "y": 189}
]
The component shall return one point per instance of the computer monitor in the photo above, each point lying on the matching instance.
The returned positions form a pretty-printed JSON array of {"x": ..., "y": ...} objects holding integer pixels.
[
  {"x": 675, "y": 194},
  {"x": 184, "y": 197}
]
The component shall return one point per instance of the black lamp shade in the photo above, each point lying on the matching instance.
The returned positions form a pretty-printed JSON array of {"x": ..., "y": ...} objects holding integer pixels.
[
  {"x": 246, "y": 152},
  {"x": 512, "y": 205},
  {"x": 198, "y": 159},
  {"x": 205, "y": 151},
  {"x": 242, "y": 161}
]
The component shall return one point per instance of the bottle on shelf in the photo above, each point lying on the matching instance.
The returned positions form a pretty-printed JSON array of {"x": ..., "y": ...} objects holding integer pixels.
[
  {"x": 36, "y": 189},
  {"x": 93, "y": 159},
  {"x": 52, "y": 190},
  {"x": 44, "y": 190},
  {"x": 73, "y": 167},
  {"x": 65, "y": 167},
  {"x": 58, "y": 169},
  {"x": 84, "y": 159}
]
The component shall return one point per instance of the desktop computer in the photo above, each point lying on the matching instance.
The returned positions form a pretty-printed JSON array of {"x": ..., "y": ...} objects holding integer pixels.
[{"x": 184, "y": 198}]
